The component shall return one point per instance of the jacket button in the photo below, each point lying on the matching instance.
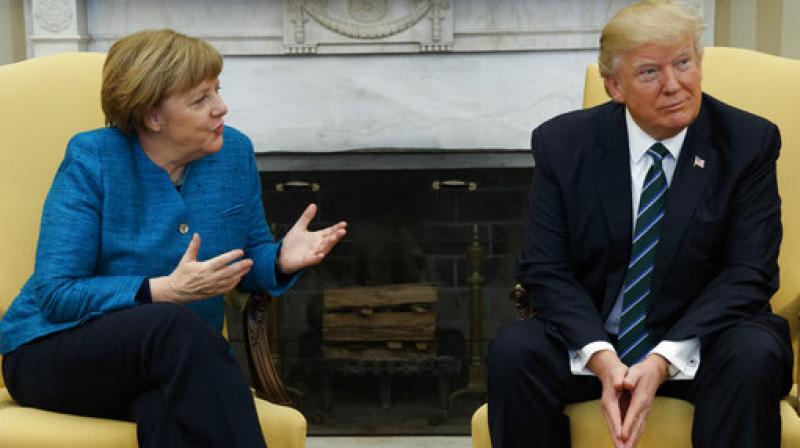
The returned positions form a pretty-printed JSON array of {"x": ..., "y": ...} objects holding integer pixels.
[{"x": 183, "y": 228}]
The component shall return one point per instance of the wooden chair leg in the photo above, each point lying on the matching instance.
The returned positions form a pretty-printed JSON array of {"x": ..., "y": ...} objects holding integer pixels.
[{"x": 266, "y": 380}]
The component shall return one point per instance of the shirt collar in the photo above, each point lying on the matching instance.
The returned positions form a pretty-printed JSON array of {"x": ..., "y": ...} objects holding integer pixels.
[{"x": 640, "y": 141}]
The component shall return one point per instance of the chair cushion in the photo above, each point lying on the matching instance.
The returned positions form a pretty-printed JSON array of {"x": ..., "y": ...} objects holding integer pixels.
[
  {"x": 480, "y": 428},
  {"x": 282, "y": 426},
  {"x": 589, "y": 430},
  {"x": 34, "y": 428},
  {"x": 28, "y": 427},
  {"x": 588, "y": 427}
]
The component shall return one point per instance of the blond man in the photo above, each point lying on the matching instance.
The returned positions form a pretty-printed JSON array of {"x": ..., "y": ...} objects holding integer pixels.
[{"x": 650, "y": 255}]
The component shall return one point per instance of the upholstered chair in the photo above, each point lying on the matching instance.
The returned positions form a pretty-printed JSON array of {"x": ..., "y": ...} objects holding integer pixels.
[
  {"x": 768, "y": 86},
  {"x": 44, "y": 102}
]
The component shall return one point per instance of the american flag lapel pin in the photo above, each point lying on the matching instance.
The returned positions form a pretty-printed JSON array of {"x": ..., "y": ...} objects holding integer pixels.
[{"x": 698, "y": 162}]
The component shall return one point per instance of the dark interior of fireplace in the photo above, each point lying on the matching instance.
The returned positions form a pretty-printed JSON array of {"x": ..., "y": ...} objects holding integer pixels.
[{"x": 407, "y": 229}]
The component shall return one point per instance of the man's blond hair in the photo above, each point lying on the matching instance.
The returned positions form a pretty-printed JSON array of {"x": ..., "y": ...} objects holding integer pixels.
[
  {"x": 647, "y": 22},
  {"x": 144, "y": 67}
]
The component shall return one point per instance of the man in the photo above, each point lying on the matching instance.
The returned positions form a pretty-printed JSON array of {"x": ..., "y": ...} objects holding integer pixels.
[{"x": 650, "y": 255}]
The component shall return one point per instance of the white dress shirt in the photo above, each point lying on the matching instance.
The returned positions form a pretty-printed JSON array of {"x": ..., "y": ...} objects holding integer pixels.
[{"x": 683, "y": 356}]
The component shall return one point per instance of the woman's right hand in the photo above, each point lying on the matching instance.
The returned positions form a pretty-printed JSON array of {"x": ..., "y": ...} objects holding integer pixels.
[{"x": 194, "y": 280}]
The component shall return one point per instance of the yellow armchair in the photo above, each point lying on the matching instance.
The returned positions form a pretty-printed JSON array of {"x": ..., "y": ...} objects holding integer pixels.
[
  {"x": 46, "y": 101},
  {"x": 768, "y": 86}
]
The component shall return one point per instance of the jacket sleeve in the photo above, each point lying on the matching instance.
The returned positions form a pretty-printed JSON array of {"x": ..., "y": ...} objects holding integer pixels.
[
  {"x": 748, "y": 276},
  {"x": 261, "y": 245},
  {"x": 544, "y": 266},
  {"x": 67, "y": 285}
]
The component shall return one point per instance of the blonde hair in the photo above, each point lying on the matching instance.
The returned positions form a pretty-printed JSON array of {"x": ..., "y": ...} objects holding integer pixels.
[
  {"x": 144, "y": 67},
  {"x": 647, "y": 22}
]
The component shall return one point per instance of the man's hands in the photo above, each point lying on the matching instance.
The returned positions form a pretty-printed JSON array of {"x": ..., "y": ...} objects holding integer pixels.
[
  {"x": 302, "y": 248},
  {"x": 627, "y": 393},
  {"x": 611, "y": 372},
  {"x": 195, "y": 280},
  {"x": 642, "y": 382}
]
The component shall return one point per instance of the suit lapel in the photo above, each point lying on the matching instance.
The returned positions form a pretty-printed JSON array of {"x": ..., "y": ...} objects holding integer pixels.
[
  {"x": 696, "y": 164},
  {"x": 611, "y": 166}
]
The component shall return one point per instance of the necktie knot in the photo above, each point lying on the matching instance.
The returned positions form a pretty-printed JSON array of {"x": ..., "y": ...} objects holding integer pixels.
[{"x": 658, "y": 152}]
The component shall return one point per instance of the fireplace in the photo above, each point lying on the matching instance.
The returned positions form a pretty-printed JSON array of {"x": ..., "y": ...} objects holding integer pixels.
[{"x": 412, "y": 217}]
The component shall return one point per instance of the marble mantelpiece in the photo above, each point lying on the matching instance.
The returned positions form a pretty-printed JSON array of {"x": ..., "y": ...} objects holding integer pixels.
[{"x": 339, "y": 75}]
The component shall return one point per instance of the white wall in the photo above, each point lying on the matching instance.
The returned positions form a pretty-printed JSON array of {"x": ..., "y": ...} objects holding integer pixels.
[
  {"x": 12, "y": 31},
  {"x": 770, "y": 26}
]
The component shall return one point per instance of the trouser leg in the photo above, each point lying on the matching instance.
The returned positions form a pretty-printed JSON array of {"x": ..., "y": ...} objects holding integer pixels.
[
  {"x": 530, "y": 383},
  {"x": 109, "y": 367},
  {"x": 154, "y": 423},
  {"x": 744, "y": 373}
]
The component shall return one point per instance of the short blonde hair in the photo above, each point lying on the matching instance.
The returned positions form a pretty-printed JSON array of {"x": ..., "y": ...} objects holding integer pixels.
[
  {"x": 647, "y": 22},
  {"x": 144, "y": 67}
]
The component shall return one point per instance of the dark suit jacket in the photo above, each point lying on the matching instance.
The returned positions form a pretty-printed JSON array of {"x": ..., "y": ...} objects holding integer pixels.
[{"x": 716, "y": 264}]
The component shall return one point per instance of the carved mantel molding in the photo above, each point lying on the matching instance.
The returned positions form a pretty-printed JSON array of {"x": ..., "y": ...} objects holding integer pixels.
[
  {"x": 302, "y": 27},
  {"x": 367, "y": 26},
  {"x": 56, "y": 26},
  {"x": 53, "y": 16}
]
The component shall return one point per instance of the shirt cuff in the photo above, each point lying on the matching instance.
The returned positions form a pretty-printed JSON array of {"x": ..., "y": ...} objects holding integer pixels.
[
  {"x": 579, "y": 358},
  {"x": 280, "y": 277},
  {"x": 143, "y": 295},
  {"x": 683, "y": 357}
]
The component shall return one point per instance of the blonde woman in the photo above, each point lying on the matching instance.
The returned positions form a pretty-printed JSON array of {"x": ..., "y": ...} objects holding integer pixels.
[{"x": 148, "y": 222}]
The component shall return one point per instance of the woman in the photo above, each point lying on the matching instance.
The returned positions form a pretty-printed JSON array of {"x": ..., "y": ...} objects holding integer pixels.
[{"x": 122, "y": 316}]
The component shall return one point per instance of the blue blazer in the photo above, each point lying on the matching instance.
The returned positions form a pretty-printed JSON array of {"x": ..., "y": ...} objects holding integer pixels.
[{"x": 113, "y": 218}]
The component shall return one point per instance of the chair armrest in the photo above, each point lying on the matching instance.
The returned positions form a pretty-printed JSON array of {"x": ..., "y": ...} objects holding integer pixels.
[
  {"x": 519, "y": 295},
  {"x": 266, "y": 380},
  {"x": 793, "y": 398},
  {"x": 2, "y": 382}
]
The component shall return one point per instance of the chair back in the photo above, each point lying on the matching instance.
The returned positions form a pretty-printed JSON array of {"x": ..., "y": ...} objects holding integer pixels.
[
  {"x": 45, "y": 102},
  {"x": 768, "y": 86}
]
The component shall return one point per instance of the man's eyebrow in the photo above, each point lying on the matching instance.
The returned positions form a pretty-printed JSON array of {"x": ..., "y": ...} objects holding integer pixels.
[{"x": 643, "y": 62}]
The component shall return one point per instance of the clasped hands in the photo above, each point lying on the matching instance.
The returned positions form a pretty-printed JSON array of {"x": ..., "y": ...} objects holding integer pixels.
[
  {"x": 194, "y": 280},
  {"x": 628, "y": 393}
]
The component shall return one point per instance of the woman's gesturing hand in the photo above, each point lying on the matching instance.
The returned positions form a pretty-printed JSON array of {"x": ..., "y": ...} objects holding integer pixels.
[
  {"x": 302, "y": 248},
  {"x": 195, "y": 280}
]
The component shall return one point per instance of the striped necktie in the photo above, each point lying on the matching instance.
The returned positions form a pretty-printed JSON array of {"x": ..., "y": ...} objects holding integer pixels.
[{"x": 634, "y": 340}]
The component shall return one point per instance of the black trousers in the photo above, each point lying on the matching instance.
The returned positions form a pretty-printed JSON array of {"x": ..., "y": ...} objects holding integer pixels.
[
  {"x": 744, "y": 373},
  {"x": 159, "y": 365}
]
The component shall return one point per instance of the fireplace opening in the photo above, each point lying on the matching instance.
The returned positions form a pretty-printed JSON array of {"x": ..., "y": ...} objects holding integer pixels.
[{"x": 379, "y": 338}]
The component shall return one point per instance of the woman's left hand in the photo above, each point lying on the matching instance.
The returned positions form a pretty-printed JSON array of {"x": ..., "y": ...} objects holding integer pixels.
[{"x": 302, "y": 248}]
